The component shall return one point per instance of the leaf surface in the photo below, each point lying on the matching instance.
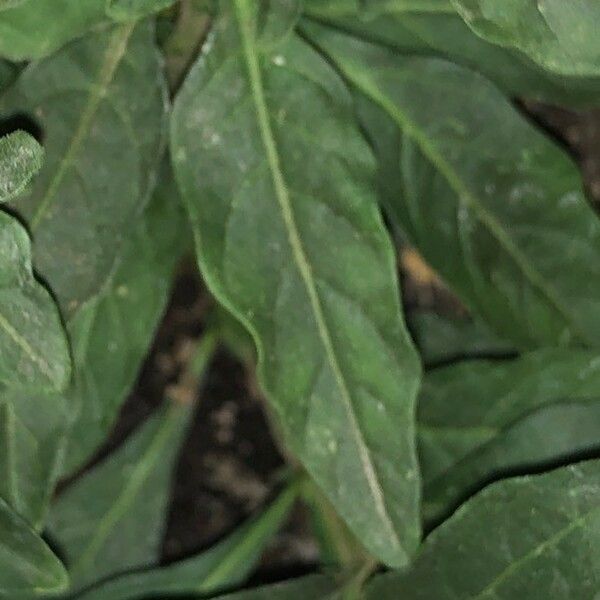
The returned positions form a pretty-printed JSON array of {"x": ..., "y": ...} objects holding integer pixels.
[
  {"x": 27, "y": 565},
  {"x": 486, "y": 198},
  {"x": 276, "y": 178},
  {"x": 540, "y": 533},
  {"x": 124, "y": 319},
  {"x": 324, "y": 587},
  {"x": 101, "y": 105},
  {"x": 445, "y": 35},
  {"x": 32, "y": 29},
  {"x": 20, "y": 159},
  {"x": 124, "y": 10},
  {"x": 111, "y": 519},
  {"x": 474, "y": 419},
  {"x": 560, "y": 36},
  {"x": 225, "y": 565}
]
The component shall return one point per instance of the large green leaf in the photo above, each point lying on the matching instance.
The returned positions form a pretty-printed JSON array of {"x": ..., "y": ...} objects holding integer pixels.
[
  {"x": 561, "y": 36},
  {"x": 276, "y": 178},
  {"x": 124, "y": 319},
  {"x": 111, "y": 519},
  {"x": 446, "y": 35},
  {"x": 101, "y": 104},
  {"x": 27, "y": 565},
  {"x": 486, "y": 198},
  {"x": 20, "y": 159},
  {"x": 474, "y": 419},
  {"x": 35, "y": 28},
  {"x": 225, "y": 565},
  {"x": 531, "y": 537}
]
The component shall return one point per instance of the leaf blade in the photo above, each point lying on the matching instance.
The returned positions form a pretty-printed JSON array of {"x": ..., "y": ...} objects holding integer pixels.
[
  {"x": 237, "y": 265},
  {"x": 521, "y": 554}
]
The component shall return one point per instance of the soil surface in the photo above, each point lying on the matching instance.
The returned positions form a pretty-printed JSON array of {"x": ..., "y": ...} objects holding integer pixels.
[{"x": 230, "y": 463}]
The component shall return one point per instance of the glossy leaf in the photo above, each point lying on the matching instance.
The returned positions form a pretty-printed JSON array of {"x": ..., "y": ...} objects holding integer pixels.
[
  {"x": 124, "y": 319},
  {"x": 111, "y": 519},
  {"x": 276, "y": 179},
  {"x": 33, "y": 29},
  {"x": 533, "y": 537},
  {"x": 20, "y": 159},
  {"x": 225, "y": 565},
  {"x": 101, "y": 105},
  {"x": 124, "y": 10},
  {"x": 27, "y": 565},
  {"x": 445, "y": 35},
  {"x": 486, "y": 198},
  {"x": 560, "y": 36}
]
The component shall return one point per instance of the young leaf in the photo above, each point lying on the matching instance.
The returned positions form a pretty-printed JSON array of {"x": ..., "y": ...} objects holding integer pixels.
[
  {"x": 33, "y": 29},
  {"x": 487, "y": 199},
  {"x": 276, "y": 179},
  {"x": 531, "y": 537},
  {"x": 560, "y": 36},
  {"x": 101, "y": 104},
  {"x": 466, "y": 413},
  {"x": 445, "y": 35},
  {"x": 27, "y": 565},
  {"x": 127, "y": 10},
  {"x": 550, "y": 436},
  {"x": 20, "y": 159},
  {"x": 225, "y": 565},
  {"x": 111, "y": 519},
  {"x": 124, "y": 318}
]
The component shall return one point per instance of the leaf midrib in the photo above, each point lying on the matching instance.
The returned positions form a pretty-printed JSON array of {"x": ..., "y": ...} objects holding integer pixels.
[
  {"x": 117, "y": 45},
  {"x": 464, "y": 194},
  {"x": 244, "y": 18}
]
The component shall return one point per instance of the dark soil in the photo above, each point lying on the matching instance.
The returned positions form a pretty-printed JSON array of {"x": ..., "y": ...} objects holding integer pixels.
[{"x": 230, "y": 464}]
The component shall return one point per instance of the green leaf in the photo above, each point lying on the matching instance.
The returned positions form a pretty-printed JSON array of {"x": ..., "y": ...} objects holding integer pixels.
[
  {"x": 531, "y": 537},
  {"x": 27, "y": 565},
  {"x": 126, "y": 10},
  {"x": 471, "y": 411},
  {"x": 33, "y": 433},
  {"x": 111, "y": 519},
  {"x": 32, "y": 29},
  {"x": 442, "y": 340},
  {"x": 33, "y": 346},
  {"x": 446, "y": 35},
  {"x": 546, "y": 437},
  {"x": 20, "y": 159},
  {"x": 323, "y": 587},
  {"x": 277, "y": 180},
  {"x": 560, "y": 36},
  {"x": 225, "y": 565},
  {"x": 101, "y": 104},
  {"x": 4, "y": 4},
  {"x": 487, "y": 199},
  {"x": 124, "y": 319}
]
